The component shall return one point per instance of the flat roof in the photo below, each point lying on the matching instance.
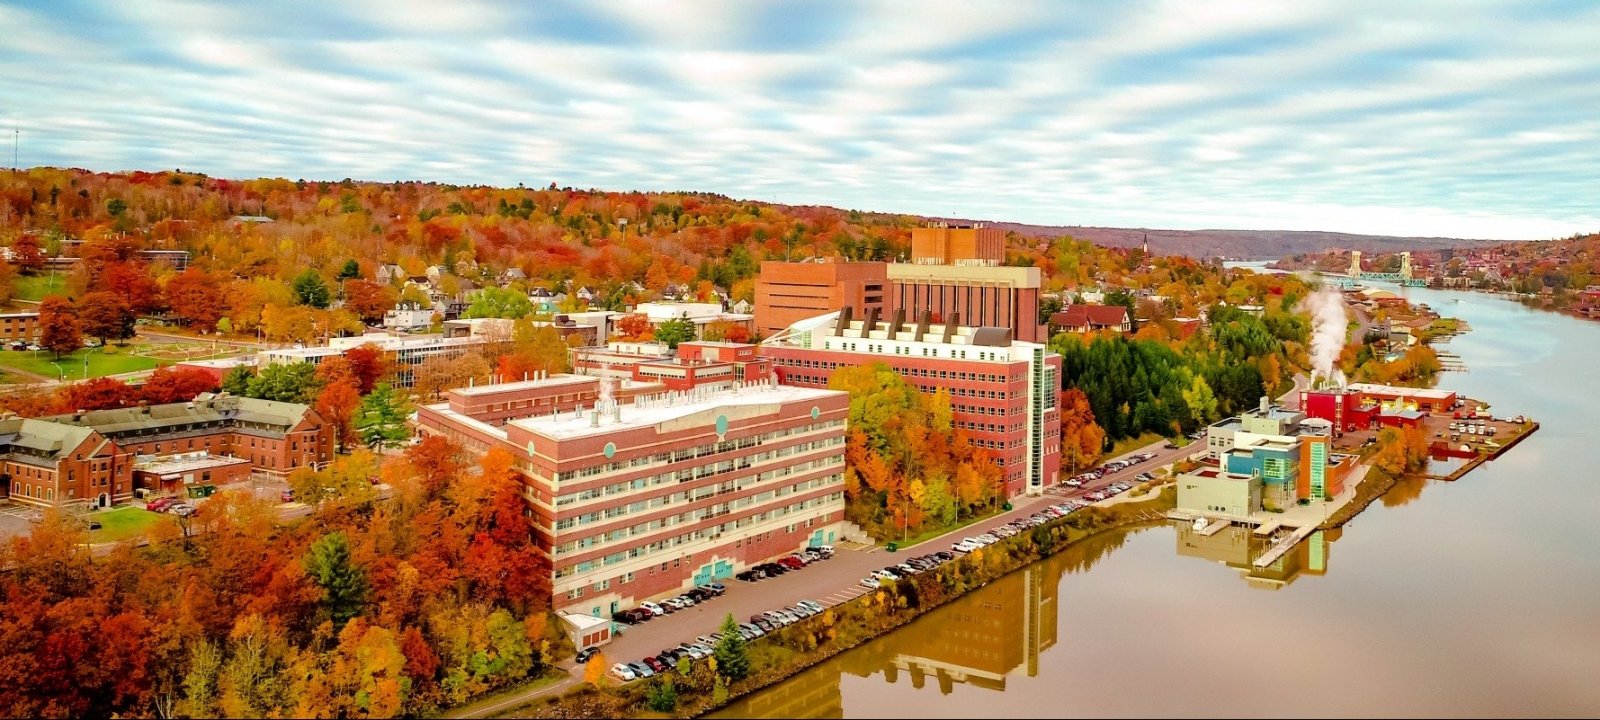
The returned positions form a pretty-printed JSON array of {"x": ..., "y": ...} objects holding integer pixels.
[
  {"x": 1373, "y": 389},
  {"x": 553, "y": 380},
  {"x": 173, "y": 464},
  {"x": 646, "y": 412}
]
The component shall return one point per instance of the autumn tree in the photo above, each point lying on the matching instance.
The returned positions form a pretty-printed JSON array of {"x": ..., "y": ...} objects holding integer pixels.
[
  {"x": 337, "y": 403},
  {"x": 104, "y": 315},
  {"x": 369, "y": 300},
  {"x": 176, "y": 384},
  {"x": 499, "y": 303},
  {"x": 1082, "y": 440},
  {"x": 635, "y": 326},
  {"x": 196, "y": 298},
  {"x": 59, "y": 331},
  {"x": 100, "y": 393},
  {"x": 368, "y": 365},
  {"x": 26, "y": 254}
]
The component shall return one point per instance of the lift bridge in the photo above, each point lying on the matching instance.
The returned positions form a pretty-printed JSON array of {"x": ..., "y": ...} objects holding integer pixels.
[{"x": 1402, "y": 278}]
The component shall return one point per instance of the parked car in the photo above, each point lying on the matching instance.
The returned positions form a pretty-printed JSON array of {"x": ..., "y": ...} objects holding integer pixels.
[
  {"x": 159, "y": 504},
  {"x": 747, "y": 575},
  {"x": 642, "y": 670},
  {"x": 871, "y": 582},
  {"x": 686, "y": 600},
  {"x": 655, "y": 664},
  {"x": 814, "y": 605},
  {"x": 653, "y": 608},
  {"x": 623, "y": 672},
  {"x": 715, "y": 589},
  {"x": 584, "y": 654},
  {"x": 825, "y": 550},
  {"x": 286, "y": 496},
  {"x": 792, "y": 562}
]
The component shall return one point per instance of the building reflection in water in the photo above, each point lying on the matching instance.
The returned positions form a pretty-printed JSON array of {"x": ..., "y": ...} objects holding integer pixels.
[
  {"x": 975, "y": 641},
  {"x": 1238, "y": 548}
]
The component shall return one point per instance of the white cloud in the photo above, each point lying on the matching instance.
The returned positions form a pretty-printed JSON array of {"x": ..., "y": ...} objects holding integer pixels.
[{"x": 1429, "y": 119}]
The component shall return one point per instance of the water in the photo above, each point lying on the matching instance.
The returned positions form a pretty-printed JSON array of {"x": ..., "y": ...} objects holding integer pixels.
[{"x": 1474, "y": 598}]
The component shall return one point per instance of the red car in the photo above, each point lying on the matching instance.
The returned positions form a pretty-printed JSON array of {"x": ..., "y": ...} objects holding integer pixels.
[
  {"x": 791, "y": 562},
  {"x": 159, "y": 504}
]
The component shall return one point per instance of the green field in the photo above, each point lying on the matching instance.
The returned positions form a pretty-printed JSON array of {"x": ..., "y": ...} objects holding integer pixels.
[
  {"x": 44, "y": 363},
  {"x": 35, "y": 287},
  {"x": 123, "y": 523}
]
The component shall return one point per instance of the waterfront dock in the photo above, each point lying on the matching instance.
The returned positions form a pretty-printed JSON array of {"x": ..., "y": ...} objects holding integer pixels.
[{"x": 1285, "y": 545}]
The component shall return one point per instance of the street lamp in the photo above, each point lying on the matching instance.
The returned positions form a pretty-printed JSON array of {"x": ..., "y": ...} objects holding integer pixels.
[{"x": 61, "y": 375}]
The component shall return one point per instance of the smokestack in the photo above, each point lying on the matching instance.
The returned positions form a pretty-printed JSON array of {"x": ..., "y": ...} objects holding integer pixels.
[
  {"x": 1266, "y": 405},
  {"x": 594, "y": 418}
]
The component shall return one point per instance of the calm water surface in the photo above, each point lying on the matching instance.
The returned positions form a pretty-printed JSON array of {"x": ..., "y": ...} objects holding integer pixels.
[{"x": 1475, "y": 598}]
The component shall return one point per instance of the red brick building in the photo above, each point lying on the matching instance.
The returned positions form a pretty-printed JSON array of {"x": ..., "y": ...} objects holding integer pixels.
[
  {"x": 1003, "y": 392},
  {"x": 638, "y": 490},
  {"x": 89, "y": 457},
  {"x": 19, "y": 326},
  {"x": 788, "y": 292}
]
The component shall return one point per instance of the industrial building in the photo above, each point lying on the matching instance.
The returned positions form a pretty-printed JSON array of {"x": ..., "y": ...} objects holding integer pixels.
[
  {"x": 1289, "y": 454},
  {"x": 1003, "y": 392},
  {"x": 1363, "y": 406},
  {"x": 646, "y": 485}
]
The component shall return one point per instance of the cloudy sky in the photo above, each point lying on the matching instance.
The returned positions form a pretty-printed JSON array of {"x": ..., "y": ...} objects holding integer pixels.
[{"x": 1424, "y": 117}]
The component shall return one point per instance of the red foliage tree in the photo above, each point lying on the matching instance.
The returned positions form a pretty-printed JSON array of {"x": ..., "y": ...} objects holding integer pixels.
[
  {"x": 96, "y": 394},
  {"x": 337, "y": 403},
  {"x": 59, "y": 331},
  {"x": 635, "y": 327},
  {"x": 368, "y": 365},
  {"x": 196, "y": 297},
  {"x": 26, "y": 255},
  {"x": 369, "y": 300},
  {"x": 737, "y": 334},
  {"x": 132, "y": 282},
  {"x": 106, "y": 316},
  {"x": 176, "y": 384}
]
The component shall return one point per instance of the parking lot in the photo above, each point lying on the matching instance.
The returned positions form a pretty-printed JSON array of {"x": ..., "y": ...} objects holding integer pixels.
[
  {"x": 16, "y": 520},
  {"x": 837, "y": 580}
]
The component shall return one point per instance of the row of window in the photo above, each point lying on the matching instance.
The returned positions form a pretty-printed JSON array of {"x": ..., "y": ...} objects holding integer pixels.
[
  {"x": 628, "y": 577},
  {"x": 685, "y": 475},
  {"x": 701, "y": 493},
  {"x": 694, "y": 452},
  {"x": 701, "y": 534},
  {"x": 646, "y": 528}
]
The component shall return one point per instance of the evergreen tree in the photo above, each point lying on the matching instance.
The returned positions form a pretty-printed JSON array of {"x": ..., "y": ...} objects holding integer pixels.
[
  {"x": 309, "y": 289},
  {"x": 381, "y": 421},
  {"x": 674, "y": 331},
  {"x": 350, "y": 271},
  {"x": 296, "y": 383},
  {"x": 343, "y": 583},
  {"x": 732, "y": 662},
  {"x": 237, "y": 381}
]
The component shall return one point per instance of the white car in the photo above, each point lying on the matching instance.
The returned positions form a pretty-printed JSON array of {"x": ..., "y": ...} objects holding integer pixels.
[
  {"x": 653, "y": 608},
  {"x": 622, "y": 672},
  {"x": 965, "y": 546},
  {"x": 870, "y": 583},
  {"x": 815, "y": 606}
]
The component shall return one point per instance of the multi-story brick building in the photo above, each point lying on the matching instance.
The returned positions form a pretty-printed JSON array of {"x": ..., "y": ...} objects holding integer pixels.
[
  {"x": 89, "y": 457},
  {"x": 788, "y": 292},
  {"x": 1003, "y": 392},
  {"x": 22, "y": 326},
  {"x": 638, "y": 490},
  {"x": 958, "y": 272}
]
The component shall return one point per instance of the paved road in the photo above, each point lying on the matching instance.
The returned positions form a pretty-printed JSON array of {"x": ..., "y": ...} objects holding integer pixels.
[{"x": 829, "y": 582}]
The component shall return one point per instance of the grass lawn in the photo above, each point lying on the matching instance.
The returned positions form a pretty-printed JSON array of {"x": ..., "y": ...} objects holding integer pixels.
[
  {"x": 100, "y": 363},
  {"x": 1128, "y": 445},
  {"x": 35, "y": 287},
  {"x": 936, "y": 532},
  {"x": 123, "y": 523}
]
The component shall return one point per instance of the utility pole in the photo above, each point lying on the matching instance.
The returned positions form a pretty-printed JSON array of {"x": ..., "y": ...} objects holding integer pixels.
[{"x": 16, "y": 141}]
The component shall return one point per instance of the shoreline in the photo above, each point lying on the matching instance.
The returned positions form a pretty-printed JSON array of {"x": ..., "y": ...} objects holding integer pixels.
[{"x": 869, "y": 616}]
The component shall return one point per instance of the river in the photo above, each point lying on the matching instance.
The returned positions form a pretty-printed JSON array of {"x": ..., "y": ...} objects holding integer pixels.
[{"x": 1474, "y": 598}]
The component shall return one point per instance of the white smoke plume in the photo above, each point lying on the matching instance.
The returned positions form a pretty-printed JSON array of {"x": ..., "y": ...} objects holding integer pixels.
[{"x": 1328, "y": 327}]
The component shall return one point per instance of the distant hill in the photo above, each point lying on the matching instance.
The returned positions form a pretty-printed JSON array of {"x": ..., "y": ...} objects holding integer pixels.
[{"x": 1236, "y": 244}]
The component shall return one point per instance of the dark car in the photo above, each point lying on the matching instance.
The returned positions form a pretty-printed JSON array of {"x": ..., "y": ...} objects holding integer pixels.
[
  {"x": 699, "y": 594},
  {"x": 642, "y": 669},
  {"x": 584, "y": 654},
  {"x": 748, "y": 575},
  {"x": 668, "y": 658}
]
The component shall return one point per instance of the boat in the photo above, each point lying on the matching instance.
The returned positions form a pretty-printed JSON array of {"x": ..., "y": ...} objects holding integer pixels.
[{"x": 1200, "y": 523}]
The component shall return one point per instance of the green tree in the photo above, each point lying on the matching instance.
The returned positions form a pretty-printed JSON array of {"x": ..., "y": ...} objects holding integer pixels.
[
  {"x": 309, "y": 289},
  {"x": 499, "y": 303},
  {"x": 350, "y": 271},
  {"x": 295, "y": 382},
  {"x": 237, "y": 381},
  {"x": 381, "y": 420},
  {"x": 1048, "y": 306},
  {"x": 732, "y": 662},
  {"x": 115, "y": 207},
  {"x": 674, "y": 331},
  {"x": 343, "y": 582},
  {"x": 663, "y": 697}
]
